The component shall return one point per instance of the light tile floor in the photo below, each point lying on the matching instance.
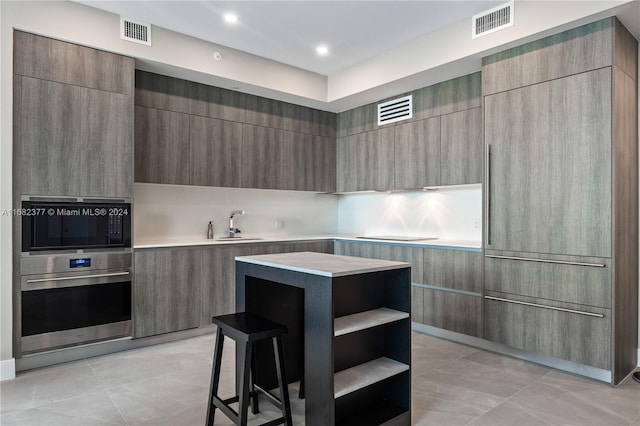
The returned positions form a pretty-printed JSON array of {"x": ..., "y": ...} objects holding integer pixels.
[{"x": 168, "y": 385}]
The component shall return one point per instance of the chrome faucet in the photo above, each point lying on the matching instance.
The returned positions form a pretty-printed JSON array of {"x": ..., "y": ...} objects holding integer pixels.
[{"x": 232, "y": 230}]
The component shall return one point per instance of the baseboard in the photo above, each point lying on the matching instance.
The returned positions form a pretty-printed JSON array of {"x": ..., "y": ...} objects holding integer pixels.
[{"x": 7, "y": 369}]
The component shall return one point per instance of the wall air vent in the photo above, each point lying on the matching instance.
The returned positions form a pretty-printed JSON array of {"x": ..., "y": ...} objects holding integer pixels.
[
  {"x": 395, "y": 110},
  {"x": 135, "y": 31},
  {"x": 492, "y": 20}
]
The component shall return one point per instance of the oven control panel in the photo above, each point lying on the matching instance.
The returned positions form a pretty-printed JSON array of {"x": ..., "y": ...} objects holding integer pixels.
[{"x": 49, "y": 264}]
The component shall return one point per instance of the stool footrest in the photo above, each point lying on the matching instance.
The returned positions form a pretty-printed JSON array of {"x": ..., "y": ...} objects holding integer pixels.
[
  {"x": 275, "y": 422},
  {"x": 270, "y": 396},
  {"x": 225, "y": 408}
]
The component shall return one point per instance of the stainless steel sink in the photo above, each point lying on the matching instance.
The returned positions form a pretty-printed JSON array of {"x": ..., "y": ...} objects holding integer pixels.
[{"x": 237, "y": 238}]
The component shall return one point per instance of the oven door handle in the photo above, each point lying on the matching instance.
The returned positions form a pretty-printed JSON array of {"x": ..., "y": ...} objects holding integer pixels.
[{"x": 74, "y": 281}]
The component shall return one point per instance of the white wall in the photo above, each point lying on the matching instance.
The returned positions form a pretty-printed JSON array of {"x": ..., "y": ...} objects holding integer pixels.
[
  {"x": 447, "y": 213},
  {"x": 172, "y": 212}
]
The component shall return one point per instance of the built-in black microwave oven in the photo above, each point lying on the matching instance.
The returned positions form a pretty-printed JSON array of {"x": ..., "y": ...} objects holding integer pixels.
[{"x": 72, "y": 225}]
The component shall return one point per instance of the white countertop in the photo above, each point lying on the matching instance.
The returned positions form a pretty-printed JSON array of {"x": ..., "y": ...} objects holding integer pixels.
[
  {"x": 326, "y": 265},
  {"x": 195, "y": 241}
]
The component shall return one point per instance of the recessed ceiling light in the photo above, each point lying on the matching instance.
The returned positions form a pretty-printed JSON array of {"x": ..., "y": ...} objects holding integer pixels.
[
  {"x": 322, "y": 50},
  {"x": 231, "y": 18}
]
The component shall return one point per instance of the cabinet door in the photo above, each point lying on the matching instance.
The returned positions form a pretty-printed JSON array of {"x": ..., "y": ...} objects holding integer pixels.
[
  {"x": 566, "y": 334},
  {"x": 348, "y": 163},
  {"x": 461, "y": 147},
  {"x": 314, "y": 162},
  {"x": 417, "y": 154},
  {"x": 107, "y": 169},
  {"x": 452, "y": 311},
  {"x": 219, "y": 280},
  {"x": 216, "y": 152},
  {"x": 453, "y": 269},
  {"x": 166, "y": 290},
  {"x": 54, "y": 60},
  {"x": 52, "y": 130},
  {"x": 262, "y": 159},
  {"x": 161, "y": 146},
  {"x": 365, "y": 161},
  {"x": 550, "y": 166},
  {"x": 378, "y": 151}
]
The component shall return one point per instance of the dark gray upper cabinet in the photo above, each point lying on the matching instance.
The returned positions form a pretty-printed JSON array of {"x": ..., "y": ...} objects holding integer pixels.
[
  {"x": 309, "y": 162},
  {"x": 209, "y": 101},
  {"x": 571, "y": 52},
  {"x": 357, "y": 120},
  {"x": 417, "y": 154},
  {"x": 73, "y": 119},
  {"x": 365, "y": 161},
  {"x": 108, "y": 154},
  {"x": 82, "y": 147},
  {"x": 461, "y": 147},
  {"x": 263, "y": 161},
  {"x": 161, "y": 92},
  {"x": 235, "y": 140},
  {"x": 167, "y": 290},
  {"x": 161, "y": 146},
  {"x": 449, "y": 96},
  {"x": 216, "y": 152},
  {"x": 48, "y": 151},
  {"x": 54, "y": 60},
  {"x": 550, "y": 166}
]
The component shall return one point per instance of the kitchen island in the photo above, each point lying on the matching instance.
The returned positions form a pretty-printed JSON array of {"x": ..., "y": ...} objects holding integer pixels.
[{"x": 349, "y": 332}]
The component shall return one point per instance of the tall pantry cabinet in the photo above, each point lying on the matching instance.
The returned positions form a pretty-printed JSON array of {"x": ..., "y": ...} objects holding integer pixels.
[{"x": 561, "y": 198}]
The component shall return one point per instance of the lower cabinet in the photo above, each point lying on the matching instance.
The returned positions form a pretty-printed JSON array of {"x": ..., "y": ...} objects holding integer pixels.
[
  {"x": 449, "y": 310},
  {"x": 577, "y": 333},
  {"x": 447, "y": 284},
  {"x": 166, "y": 290},
  {"x": 180, "y": 288}
]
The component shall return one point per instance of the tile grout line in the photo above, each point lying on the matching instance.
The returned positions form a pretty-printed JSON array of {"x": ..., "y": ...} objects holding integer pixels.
[{"x": 512, "y": 396}]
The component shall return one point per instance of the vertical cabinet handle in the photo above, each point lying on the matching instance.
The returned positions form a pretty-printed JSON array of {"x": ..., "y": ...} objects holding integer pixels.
[{"x": 487, "y": 190}]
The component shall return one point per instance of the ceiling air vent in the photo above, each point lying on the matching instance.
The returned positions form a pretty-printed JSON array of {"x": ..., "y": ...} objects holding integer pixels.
[
  {"x": 135, "y": 31},
  {"x": 395, "y": 110},
  {"x": 492, "y": 20}
]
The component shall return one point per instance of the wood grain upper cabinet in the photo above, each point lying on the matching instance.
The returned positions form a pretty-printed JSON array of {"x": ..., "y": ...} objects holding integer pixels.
[
  {"x": 54, "y": 60},
  {"x": 417, "y": 154},
  {"x": 48, "y": 147},
  {"x": 264, "y": 164},
  {"x": 161, "y": 146},
  {"x": 166, "y": 290},
  {"x": 108, "y": 152},
  {"x": 80, "y": 147},
  {"x": 216, "y": 152},
  {"x": 73, "y": 119},
  {"x": 461, "y": 147},
  {"x": 366, "y": 161},
  {"x": 550, "y": 166}
]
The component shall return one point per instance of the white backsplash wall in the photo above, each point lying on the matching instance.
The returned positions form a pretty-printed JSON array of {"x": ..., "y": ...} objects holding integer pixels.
[
  {"x": 168, "y": 212},
  {"x": 452, "y": 213}
]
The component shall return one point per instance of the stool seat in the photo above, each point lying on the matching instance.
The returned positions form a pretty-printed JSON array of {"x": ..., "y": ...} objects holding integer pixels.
[{"x": 247, "y": 329}]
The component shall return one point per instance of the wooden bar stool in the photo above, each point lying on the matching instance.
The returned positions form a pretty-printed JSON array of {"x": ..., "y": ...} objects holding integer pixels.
[{"x": 247, "y": 329}]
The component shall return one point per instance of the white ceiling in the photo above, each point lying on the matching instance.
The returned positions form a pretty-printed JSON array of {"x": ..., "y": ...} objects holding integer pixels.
[{"x": 289, "y": 31}]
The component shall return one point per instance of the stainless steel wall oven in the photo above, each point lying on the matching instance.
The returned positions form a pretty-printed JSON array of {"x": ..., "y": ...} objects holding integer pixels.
[{"x": 75, "y": 272}]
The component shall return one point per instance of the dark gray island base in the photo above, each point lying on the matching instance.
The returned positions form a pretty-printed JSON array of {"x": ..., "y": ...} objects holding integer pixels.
[{"x": 349, "y": 326}]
